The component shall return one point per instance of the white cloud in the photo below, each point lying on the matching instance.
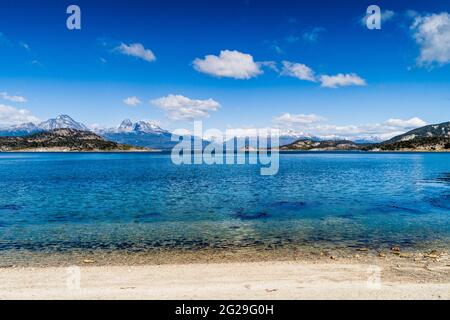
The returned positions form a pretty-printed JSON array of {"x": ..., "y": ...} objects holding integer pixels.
[
  {"x": 303, "y": 72},
  {"x": 375, "y": 131},
  {"x": 296, "y": 119},
  {"x": 341, "y": 80},
  {"x": 240, "y": 132},
  {"x": 407, "y": 124},
  {"x": 179, "y": 107},
  {"x": 269, "y": 64},
  {"x": 298, "y": 70},
  {"x": 231, "y": 64},
  {"x": 432, "y": 34},
  {"x": 136, "y": 50},
  {"x": 387, "y": 15},
  {"x": 132, "y": 101},
  {"x": 6, "y": 96},
  {"x": 96, "y": 127},
  {"x": 311, "y": 126},
  {"x": 12, "y": 116}
]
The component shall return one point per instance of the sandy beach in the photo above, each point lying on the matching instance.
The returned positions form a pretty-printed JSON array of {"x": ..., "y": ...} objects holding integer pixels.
[{"x": 360, "y": 277}]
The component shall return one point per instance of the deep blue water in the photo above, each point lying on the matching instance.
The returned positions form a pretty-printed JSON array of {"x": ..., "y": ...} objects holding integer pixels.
[{"x": 139, "y": 201}]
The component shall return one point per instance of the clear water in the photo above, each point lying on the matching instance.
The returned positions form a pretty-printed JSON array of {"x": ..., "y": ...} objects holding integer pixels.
[{"x": 60, "y": 202}]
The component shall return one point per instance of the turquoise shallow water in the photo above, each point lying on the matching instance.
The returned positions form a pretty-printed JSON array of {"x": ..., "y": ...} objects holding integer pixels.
[{"x": 61, "y": 202}]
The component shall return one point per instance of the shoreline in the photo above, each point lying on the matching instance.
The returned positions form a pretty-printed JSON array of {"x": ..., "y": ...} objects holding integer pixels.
[
  {"x": 245, "y": 273},
  {"x": 306, "y": 254},
  {"x": 244, "y": 280}
]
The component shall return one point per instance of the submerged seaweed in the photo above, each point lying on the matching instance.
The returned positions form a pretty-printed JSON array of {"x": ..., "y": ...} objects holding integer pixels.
[
  {"x": 444, "y": 178},
  {"x": 13, "y": 207},
  {"x": 243, "y": 215},
  {"x": 392, "y": 208},
  {"x": 442, "y": 202},
  {"x": 288, "y": 204}
]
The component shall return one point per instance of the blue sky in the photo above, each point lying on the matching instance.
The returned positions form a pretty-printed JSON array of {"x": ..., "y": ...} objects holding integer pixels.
[{"x": 307, "y": 67}]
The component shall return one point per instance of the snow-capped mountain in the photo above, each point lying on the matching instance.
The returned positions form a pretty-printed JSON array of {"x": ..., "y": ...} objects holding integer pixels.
[
  {"x": 140, "y": 133},
  {"x": 20, "y": 129},
  {"x": 62, "y": 122},
  {"x": 148, "y": 127},
  {"x": 127, "y": 126},
  {"x": 28, "y": 127}
]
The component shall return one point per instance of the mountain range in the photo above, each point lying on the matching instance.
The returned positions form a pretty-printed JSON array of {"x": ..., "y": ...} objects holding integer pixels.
[
  {"x": 149, "y": 134},
  {"x": 60, "y": 122},
  {"x": 141, "y": 133},
  {"x": 434, "y": 137}
]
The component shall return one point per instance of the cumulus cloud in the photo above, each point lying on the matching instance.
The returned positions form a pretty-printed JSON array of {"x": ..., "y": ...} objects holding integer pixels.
[
  {"x": 136, "y": 50},
  {"x": 132, "y": 101},
  {"x": 303, "y": 72},
  {"x": 13, "y": 116},
  {"x": 298, "y": 119},
  {"x": 407, "y": 124},
  {"x": 231, "y": 64},
  {"x": 298, "y": 70},
  {"x": 12, "y": 98},
  {"x": 342, "y": 80},
  {"x": 432, "y": 34},
  {"x": 179, "y": 107}
]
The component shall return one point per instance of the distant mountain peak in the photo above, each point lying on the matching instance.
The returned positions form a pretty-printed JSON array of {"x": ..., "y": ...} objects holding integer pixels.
[
  {"x": 126, "y": 126},
  {"x": 150, "y": 127},
  {"x": 62, "y": 122},
  {"x": 147, "y": 127},
  {"x": 140, "y": 133},
  {"x": 29, "y": 126}
]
